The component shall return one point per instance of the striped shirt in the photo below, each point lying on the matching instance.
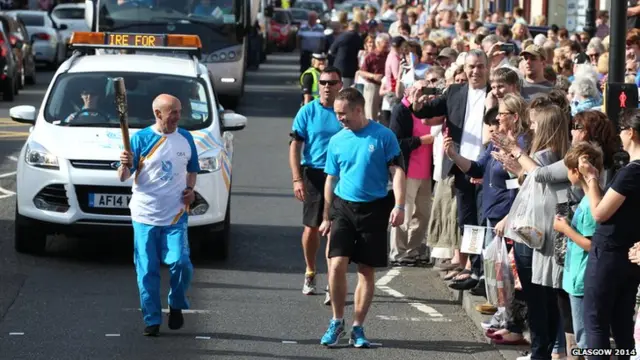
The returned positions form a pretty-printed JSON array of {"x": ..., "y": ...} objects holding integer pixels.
[{"x": 311, "y": 38}]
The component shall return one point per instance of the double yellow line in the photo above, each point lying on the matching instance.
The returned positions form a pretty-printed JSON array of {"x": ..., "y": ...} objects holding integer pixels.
[{"x": 8, "y": 123}]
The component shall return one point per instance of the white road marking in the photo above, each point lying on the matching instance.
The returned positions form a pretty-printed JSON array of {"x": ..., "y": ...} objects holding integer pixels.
[
  {"x": 289, "y": 342},
  {"x": 386, "y": 279},
  {"x": 166, "y": 311},
  {"x": 390, "y": 291},
  {"x": 382, "y": 283},
  {"x": 376, "y": 344},
  {"x": 112, "y": 335},
  {"x": 203, "y": 337},
  {"x": 9, "y": 174},
  {"x": 12, "y": 158},
  {"x": 426, "y": 309},
  {"x": 16, "y": 333},
  {"x": 412, "y": 319}
]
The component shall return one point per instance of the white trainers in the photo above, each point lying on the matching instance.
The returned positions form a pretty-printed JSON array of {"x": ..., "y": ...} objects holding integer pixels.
[
  {"x": 528, "y": 357},
  {"x": 309, "y": 287},
  {"x": 327, "y": 297}
]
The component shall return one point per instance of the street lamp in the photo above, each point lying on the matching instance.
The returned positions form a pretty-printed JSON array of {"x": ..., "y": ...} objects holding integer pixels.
[{"x": 590, "y": 23}]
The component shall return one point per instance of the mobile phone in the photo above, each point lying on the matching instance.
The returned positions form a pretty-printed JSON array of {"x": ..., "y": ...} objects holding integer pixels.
[
  {"x": 429, "y": 91},
  {"x": 508, "y": 48}
]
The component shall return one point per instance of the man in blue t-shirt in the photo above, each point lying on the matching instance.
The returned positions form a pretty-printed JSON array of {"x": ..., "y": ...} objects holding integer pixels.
[
  {"x": 164, "y": 162},
  {"x": 359, "y": 159},
  {"x": 312, "y": 127}
]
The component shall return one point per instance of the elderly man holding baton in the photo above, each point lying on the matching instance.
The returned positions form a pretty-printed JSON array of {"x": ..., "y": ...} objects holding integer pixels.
[{"x": 164, "y": 161}]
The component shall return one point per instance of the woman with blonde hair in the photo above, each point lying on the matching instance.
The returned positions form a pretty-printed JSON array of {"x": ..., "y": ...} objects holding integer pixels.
[
  {"x": 539, "y": 273},
  {"x": 369, "y": 46},
  {"x": 603, "y": 64},
  {"x": 497, "y": 196},
  {"x": 520, "y": 34}
]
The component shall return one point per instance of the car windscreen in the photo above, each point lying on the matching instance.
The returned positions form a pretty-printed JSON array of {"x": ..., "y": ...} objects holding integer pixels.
[
  {"x": 299, "y": 14},
  {"x": 311, "y": 5},
  {"x": 348, "y": 7},
  {"x": 88, "y": 99},
  {"x": 32, "y": 19},
  {"x": 69, "y": 13}
]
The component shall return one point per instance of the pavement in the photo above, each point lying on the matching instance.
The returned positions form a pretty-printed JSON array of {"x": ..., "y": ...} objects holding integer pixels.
[{"x": 80, "y": 300}]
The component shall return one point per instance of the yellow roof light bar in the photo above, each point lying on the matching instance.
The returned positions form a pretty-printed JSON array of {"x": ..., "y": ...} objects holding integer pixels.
[{"x": 105, "y": 40}]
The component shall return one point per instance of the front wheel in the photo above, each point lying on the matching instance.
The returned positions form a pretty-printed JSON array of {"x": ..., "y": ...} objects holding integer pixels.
[
  {"x": 8, "y": 93},
  {"x": 214, "y": 244},
  {"x": 28, "y": 238}
]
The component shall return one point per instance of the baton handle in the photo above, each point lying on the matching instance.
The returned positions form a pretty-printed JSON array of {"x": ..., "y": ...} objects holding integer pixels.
[{"x": 120, "y": 92}]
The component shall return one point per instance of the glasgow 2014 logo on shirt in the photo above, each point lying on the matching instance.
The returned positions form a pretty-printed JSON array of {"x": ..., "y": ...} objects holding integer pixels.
[
  {"x": 167, "y": 170},
  {"x": 372, "y": 148}
]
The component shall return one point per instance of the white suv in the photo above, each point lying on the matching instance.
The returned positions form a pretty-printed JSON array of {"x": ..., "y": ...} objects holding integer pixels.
[{"x": 66, "y": 176}]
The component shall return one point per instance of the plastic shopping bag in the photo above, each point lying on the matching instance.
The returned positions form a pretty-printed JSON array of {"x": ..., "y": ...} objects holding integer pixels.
[
  {"x": 514, "y": 271},
  {"x": 497, "y": 272},
  {"x": 527, "y": 222}
]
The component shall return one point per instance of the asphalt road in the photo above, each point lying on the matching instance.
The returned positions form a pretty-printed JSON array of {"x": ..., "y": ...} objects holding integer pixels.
[{"x": 80, "y": 301}]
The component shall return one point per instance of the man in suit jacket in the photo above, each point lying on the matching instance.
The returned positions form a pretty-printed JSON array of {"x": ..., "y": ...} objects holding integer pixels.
[{"x": 463, "y": 106}]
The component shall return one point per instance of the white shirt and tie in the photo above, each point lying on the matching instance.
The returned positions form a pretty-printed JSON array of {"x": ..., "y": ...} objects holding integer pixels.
[{"x": 471, "y": 142}]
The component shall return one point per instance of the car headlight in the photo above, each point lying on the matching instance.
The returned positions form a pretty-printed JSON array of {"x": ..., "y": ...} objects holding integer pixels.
[
  {"x": 210, "y": 164},
  {"x": 36, "y": 155}
]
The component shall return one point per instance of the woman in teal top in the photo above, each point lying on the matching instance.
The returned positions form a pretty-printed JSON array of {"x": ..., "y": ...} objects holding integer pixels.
[{"x": 579, "y": 233}]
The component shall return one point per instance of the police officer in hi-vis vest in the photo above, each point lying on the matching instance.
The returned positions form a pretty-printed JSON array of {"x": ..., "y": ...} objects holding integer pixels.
[{"x": 309, "y": 78}]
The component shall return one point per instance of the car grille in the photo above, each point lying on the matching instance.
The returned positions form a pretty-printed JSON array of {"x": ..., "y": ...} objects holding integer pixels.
[
  {"x": 83, "y": 191},
  {"x": 95, "y": 164},
  {"x": 56, "y": 195}
]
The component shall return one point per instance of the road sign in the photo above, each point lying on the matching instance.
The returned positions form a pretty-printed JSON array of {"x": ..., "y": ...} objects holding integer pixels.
[{"x": 619, "y": 97}]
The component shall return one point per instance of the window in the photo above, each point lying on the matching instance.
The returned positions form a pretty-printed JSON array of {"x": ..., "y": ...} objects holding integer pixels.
[
  {"x": 280, "y": 17},
  {"x": 32, "y": 20},
  {"x": 69, "y": 13},
  {"x": 87, "y": 99}
]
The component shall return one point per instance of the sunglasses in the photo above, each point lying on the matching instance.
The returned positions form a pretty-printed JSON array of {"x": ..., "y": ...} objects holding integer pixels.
[
  {"x": 328, "y": 82},
  {"x": 578, "y": 127},
  {"x": 623, "y": 128}
]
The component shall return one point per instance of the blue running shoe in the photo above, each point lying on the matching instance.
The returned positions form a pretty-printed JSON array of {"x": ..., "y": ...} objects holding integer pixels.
[
  {"x": 358, "y": 339},
  {"x": 334, "y": 333}
]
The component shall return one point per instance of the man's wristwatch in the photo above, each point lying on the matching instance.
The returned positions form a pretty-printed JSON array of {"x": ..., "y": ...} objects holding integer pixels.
[{"x": 189, "y": 188}]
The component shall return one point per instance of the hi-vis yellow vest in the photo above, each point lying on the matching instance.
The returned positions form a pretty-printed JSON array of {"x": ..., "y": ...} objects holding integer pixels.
[{"x": 316, "y": 76}]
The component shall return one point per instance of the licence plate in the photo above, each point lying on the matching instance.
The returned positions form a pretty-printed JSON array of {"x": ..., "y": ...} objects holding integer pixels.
[{"x": 113, "y": 201}]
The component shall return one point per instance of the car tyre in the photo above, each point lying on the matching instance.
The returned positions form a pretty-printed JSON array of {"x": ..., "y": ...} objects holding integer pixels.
[
  {"x": 214, "y": 245},
  {"x": 31, "y": 79},
  {"x": 28, "y": 238},
  {"x": 8, "y": 93},
  {"x": 23, "y": 79}
]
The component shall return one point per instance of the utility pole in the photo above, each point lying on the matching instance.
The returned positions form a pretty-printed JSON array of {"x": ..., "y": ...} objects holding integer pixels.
[
  {"x": 590, "y": 23},
  {"x": 618, "y": 95},
  {"x": 617, "y": 42}
]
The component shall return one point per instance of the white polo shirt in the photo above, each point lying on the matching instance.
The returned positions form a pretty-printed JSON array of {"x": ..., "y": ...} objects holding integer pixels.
[{"x": 160, "y": 166}]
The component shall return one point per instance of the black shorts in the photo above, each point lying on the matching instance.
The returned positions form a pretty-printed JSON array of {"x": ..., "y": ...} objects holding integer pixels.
[
  {"x": 359, "y": 230},
  {"x": 313, "y": 205}
]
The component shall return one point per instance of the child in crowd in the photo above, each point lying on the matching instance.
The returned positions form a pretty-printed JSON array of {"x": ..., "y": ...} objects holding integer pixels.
[{"x": 578, "y": 232}]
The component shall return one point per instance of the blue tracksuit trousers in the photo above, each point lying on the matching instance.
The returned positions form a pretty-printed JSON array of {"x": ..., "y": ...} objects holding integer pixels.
[{"x": 169, "y": 245}]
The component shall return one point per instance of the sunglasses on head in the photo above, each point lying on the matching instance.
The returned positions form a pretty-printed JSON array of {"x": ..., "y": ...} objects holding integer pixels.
[
  {"x": 328, "y": 82},
  {"x": 578, "y": 127},
  {"x": 623, "y": 128}
]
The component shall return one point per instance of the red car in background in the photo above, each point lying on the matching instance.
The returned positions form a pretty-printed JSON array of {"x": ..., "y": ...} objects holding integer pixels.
[{"x": 283, "y": 30}]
